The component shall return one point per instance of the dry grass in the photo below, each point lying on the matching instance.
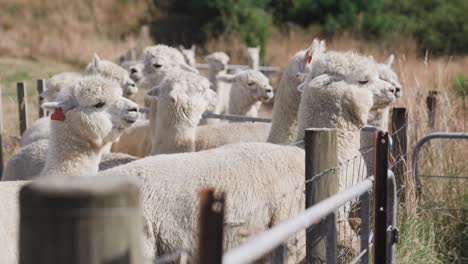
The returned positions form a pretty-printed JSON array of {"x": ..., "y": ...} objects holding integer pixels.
[{"x": 68, "y": 31}]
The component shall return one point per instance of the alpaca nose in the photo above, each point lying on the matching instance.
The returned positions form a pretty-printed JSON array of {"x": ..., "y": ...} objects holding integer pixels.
[
  {"x": 268, "y": 90},
  {"x": 392, "y": 90},
  {"x": 397, "y": 89},
  {"x": 132, "y": 71}
]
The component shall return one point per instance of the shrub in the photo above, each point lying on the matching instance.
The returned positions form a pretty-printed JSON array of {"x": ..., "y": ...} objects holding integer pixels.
[{"x": 460, "y": 85}]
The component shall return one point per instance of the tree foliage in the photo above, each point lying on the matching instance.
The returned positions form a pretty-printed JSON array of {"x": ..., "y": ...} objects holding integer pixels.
[{"x": 437, "y": 25}]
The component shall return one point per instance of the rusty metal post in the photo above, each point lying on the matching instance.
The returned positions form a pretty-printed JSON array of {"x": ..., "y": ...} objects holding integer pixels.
[
  {"x": 211, "y": 226},
  {"x": 400, "y": 144},
  {"x": 380, "y": 196}
]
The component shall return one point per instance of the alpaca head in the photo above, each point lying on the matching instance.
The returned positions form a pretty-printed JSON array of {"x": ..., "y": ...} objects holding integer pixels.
[
  {"x": 136, "y": 72},
  {"x": 334, "y": 104},
  {"x": 112, "y": 71},
  {"x": 189, "y": 55},
  {"x": 184, "y": 96},
  {"x": 299, "y": 66},
  {"x": 355, "y": 69},
  {"x": 92, "y": 111},
  {"x": 387, "y": 74},
  {"x": 254, "y": 82},
  {"x": 218, "y": 61},
  {"x": 160, "y": 59},
  {"x": 56, "y": 83}
]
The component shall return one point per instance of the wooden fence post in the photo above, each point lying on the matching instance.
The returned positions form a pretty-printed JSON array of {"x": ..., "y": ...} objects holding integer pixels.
[
  {"x": 321, "y": 155},
  {"x": 211, "y": 227},
  {"x": 40, "y": 99},
  {"x": 81, "y": 220},
  {"x": 1, "y": 134},
  {"x": 380, "y": 196},
  {"x": 22, "y": 106},
  {"x": 431, "y": 103},
  {"x": 400, "y": 144}
]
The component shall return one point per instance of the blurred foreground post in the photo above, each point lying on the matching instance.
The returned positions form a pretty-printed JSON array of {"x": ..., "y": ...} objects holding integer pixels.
[
  {"x": 81, "y": 220},
  {"x": 321, "y": 154}
]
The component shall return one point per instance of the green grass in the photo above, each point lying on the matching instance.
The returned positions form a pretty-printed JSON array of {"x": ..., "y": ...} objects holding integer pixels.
[
  {"x": 460, "y": 85},
  {"x": 13, "y": 71}
]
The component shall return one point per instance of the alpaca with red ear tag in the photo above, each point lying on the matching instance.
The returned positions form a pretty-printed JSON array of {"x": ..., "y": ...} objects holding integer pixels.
[{"x": 85, "y": 118}]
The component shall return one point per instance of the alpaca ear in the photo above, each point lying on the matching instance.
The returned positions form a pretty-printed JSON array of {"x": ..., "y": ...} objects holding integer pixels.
[
  {"x": 96, "y": 61},
  {"x": 187, "y": 68},
  {"x": 193, "y": 48},
  {"x": 154, "y": 91},
  {"x": 389, "y": 61},
  {"x": 50, "y": 106},
  {"x": 227, "y": 78},
  {"x": 181, "y": 47}
]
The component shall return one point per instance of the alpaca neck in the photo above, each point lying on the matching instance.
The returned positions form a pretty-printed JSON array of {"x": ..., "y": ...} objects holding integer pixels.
[
  {"x": 286, "y": 106},
  {"x": 241, "y": 101},
  {"x": 379, "y": 118},
  {"x": 212, "y": 73},
  {"x": 172, "y": 136},
  {"x": 68, "y": 155}
]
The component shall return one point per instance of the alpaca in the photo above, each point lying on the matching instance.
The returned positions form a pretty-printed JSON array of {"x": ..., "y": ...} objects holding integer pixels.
[
  {"x": 156, "y": 61},
  {"x": 40, "y": 128},
  {"x": 182, "y": 99},
  {"x": 86, "y": 117},
  {"x": 248, "y": 90},
  {"x": 217, "y": 64}
]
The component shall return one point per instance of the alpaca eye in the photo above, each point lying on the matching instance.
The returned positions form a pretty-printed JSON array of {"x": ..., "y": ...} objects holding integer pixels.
[
  {"x": 363, "y": 82},
  {"x": 157, "y": 66},
  {"x": 99, "y": 105},
  {"x": 250, "y": 83}
]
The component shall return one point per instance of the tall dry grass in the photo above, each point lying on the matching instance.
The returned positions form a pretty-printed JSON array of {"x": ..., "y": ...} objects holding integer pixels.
[{"x": 68, "y": 31}]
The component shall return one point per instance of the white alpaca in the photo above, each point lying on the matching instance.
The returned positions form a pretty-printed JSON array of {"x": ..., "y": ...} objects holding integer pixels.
[
  {"x": 189, "y": 55},
  {"x": 86, "y": 117},
  {"x": 182, "y": 99},
  {"x": 157, "y": 59},
  {"x": 40, "y": 128},
  {"x": 263, "y": 181},
  {"x": 217, "y": 64},
  {"x": 113, "y": 71},
  {"x": 248, "y": 90},
  {"x": 253, "y": 56}
]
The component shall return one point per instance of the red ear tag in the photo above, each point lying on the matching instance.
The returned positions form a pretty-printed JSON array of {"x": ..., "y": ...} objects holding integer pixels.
[
  {"x": 308, "y": 58},
  {"x": 58, "y": 114}
]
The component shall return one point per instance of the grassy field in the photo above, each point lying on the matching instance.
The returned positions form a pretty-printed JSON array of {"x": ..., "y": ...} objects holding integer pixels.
[{"x": 426, "y": 236}]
